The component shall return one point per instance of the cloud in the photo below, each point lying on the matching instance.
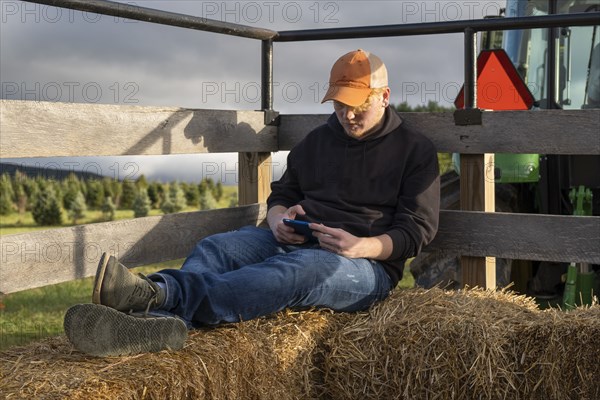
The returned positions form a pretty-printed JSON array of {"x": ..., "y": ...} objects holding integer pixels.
[
  {"x": 52, "y": 54},
  {"x": 149, "y": 64}
]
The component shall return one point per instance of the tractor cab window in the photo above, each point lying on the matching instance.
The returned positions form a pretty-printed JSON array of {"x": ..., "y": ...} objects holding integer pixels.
[{"x": 576, "y": 48}]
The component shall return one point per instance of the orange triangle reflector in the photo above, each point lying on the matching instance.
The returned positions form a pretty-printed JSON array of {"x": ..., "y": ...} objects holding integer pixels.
[{"x": 499, "y": 85}]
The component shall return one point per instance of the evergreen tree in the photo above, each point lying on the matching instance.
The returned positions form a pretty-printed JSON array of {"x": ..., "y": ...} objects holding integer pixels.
[
  {"x": 141, "y": 182},
  {"x": 95, "y": 193},
  {"x": 6, "y": 195},
  {"x": 117, "y": 191},
  {"x": 404, "y": 107},
  {"x": 153, "y": 194},
  {"x": 210, "y": 185},
  {"x": 218, "y": 191},
  {"x": 107, "y": 185},
  {"x": 184, "y": 186},
  {"x": 31, "y": 190},
  {"x": 71, "y": 188},
  {"x": 20, "y": 195},
  {"x": 207, "y": 201},
  {"x": 202, "y": 187},
  {"x": 77, "y": 208},
  {"x": 108, "y": 209},
  {"x": 233, "y": 200},
  {"x": 127, "y": 195},
  {"x": 432, "y": 106},
  {"x": 141, "y": 204},
  {"x": 192, "y": 195},
  {"x": 167, "y": 206},
  {"x": 174, "y": 199},
  {"x": 58, "y": 192},
  {"x": 177, "y": 196},
  {"x": 162, "y": 192},
  {"x": 46, "y": 209},
  {"x": 20, "y": 198}
]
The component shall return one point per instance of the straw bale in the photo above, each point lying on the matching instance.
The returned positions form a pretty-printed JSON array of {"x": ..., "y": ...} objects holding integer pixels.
[
  {"x": 418, "y": 344},
  {"x": 263, "y": 359},
  {"x": 477, "y": 344}
]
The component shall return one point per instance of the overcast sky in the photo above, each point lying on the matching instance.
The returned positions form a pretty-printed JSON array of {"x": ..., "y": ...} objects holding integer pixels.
[{"x": 51, "y": 54}]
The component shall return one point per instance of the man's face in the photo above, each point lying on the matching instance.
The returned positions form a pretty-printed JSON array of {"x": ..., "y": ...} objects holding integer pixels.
[{"x": 362, "y": 120}]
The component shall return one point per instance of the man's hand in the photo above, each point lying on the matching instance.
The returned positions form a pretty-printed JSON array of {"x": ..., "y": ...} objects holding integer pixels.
[
  {"x": 340, "y": 242},
  {"x": 282, "y": 232}
]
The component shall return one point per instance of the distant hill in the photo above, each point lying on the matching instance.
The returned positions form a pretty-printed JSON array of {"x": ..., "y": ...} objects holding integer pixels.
[{"x": 48, "y": 173}]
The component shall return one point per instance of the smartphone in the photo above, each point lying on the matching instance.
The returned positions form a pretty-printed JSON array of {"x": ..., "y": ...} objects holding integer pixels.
[{"x": 301, "y": 227}]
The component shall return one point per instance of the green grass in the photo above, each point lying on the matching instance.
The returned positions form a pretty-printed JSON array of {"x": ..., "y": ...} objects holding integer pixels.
[{"x": 38, "y": 313}]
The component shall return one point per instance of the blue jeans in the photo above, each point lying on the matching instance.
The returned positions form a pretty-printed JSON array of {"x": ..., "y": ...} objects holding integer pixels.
[{"x": 240, "y": 275}]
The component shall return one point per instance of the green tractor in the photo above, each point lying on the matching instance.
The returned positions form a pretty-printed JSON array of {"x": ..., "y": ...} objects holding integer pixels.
[{"x": 537, "y": 183}]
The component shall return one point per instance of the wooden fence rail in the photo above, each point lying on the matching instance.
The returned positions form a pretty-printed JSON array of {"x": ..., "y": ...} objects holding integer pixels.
[
  {"x": 41, "y": 258},
  {"x": 542, "y": 132},
  {"x": 38, "y": 129},
  {"x": 44, "y": 129}
]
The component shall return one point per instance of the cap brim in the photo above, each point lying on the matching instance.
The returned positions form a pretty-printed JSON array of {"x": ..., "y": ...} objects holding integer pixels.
[{"x": 347, "y": 95}]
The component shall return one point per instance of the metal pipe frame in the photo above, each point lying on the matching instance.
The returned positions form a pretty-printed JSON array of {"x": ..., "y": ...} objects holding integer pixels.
[
  {"x": 551, "y": 75},
  {"x": 266, "y": 87},
  {"x": 267, "y": 75},
  {"x": 468, "y": 27},
  {"x": 151, "y": 15},
  {"x": 470, "y": 91},
  {"x": 155, "y": 16},
  {"x": 430, "y": 28}
]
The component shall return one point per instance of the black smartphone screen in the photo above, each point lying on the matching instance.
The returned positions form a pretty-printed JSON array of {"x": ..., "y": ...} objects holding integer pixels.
[{"x": 301, "y": 227}]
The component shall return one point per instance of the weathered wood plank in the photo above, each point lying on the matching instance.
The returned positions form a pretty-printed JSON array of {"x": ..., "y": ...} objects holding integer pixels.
[
  {"x": 42, "y": 129},
  {"x": 293, "y": 128},
  {"x": 561, "y": 238},
  {"x": 38, "y": 129},
  {"x": 46, "y": 257},
  {"x": 256, "y": 175},
  {"x": 543, "y": 132}
]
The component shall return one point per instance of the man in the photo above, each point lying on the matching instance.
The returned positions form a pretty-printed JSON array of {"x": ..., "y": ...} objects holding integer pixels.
[{"x": 369, "y": 188}]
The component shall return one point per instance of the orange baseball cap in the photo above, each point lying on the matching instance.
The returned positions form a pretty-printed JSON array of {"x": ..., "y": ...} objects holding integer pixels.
[{"x": 353, "y": 76}]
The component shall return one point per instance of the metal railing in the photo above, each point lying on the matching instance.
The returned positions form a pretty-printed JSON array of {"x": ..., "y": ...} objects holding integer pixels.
[
  {"x": 134, "y": 12},
  {"x": 468, "y": 27}
]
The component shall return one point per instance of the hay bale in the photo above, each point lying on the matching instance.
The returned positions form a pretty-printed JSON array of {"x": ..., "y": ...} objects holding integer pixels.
[
  {"x": 439, "y": 344},
  {"x": 263, "y": 359},
  {"x": 418, "y": 344}
]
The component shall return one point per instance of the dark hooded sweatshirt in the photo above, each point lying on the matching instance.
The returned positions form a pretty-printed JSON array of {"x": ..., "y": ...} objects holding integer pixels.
[{"x": 387, "y": 182}]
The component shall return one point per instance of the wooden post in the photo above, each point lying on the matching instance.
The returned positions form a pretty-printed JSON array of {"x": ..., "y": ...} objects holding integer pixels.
[
  {"x": 255, "y": 169},
  {"x": 477, "y": 194},
  {"x": 255, "y": 176},
  {"x": 476, "y": 172}
]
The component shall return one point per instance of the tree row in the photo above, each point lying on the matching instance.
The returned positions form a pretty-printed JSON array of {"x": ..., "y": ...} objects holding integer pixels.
[{"x": 49, "y": 200}]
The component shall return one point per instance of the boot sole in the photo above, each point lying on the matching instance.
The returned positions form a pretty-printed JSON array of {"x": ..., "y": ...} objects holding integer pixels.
[
  {"x": 99, "y": 278},
  {"x": 102, "y": 331}
]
